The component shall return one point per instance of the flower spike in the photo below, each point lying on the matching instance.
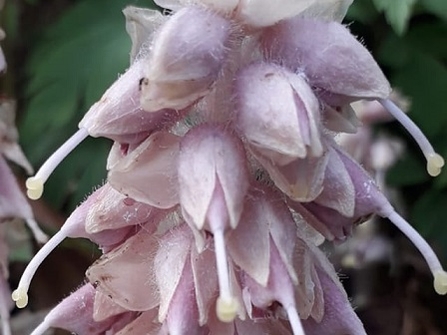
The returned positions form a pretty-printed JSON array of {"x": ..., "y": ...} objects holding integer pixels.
[
  {"x": 35, "y": 184},
  {"x": 434, "y": 161}
]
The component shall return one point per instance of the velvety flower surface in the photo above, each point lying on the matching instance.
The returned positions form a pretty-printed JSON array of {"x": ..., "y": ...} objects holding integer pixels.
[{"x": 225, "y": 175}]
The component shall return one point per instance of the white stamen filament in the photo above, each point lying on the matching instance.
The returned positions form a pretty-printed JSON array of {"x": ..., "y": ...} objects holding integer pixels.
[
  {"x": 20, "y": 295},
  {"x": 434, "y": 161},
  {"x": 440, "y": 276},
  {"x": 227, "y": 306},
  {"x": 38, "y": 234},
  {"x": 295, "y": 321},
  {"x": 35, "y": 184},
  {"x": 42, "y": 328}
]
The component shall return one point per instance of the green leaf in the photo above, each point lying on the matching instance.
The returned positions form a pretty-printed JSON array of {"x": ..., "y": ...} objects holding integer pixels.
[
  {"x": 397, "y": 13},
  {"x": 381, "y": 5}
]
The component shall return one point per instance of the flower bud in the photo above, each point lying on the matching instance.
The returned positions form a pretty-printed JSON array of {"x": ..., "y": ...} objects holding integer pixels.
[
  {"x": 186, "y": 58},
  {"x": 278, "y": 113}
]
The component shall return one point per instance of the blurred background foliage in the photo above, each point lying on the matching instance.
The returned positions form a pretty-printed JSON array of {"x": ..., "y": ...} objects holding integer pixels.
[{"x": 63, "y": 54}]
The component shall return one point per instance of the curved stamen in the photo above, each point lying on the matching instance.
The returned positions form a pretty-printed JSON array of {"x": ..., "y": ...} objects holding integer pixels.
[
  {"x": 35, "y": 184},
  {"x": 20, "y": 295},
  {"x": 440, "y": 276},
  {"x": 295, "y": 321},
  {"x": 434, "y": 161}
]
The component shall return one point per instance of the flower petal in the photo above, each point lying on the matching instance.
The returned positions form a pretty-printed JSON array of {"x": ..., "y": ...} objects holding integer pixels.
[
  {"x": 263, "y": 13},
  {"x": 118, "y": 115},
  {"x": 205, "y": 281},
  {"x": 169, "y": 262},
  {"x": 113, "y": 210},
  {"x": 114, "y": 273},
  {"x": 141, "y": 24},
  {"x": 301, "y": 180},
  {"x": 278, "y": 113},
  {"x": 149, "y": 173},
  {"x": 185, "y": 62},
  {"x": 338, "y": 189},
  {"x": 339, "y": 317},
  {"x": 104, "y": 307},
  {"x": 343, "y": 66},
  {"x": 210, "y": 155}
]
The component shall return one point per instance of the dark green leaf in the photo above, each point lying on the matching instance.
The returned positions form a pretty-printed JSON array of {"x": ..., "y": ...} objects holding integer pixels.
[
  {"x": 410, "y": 170},
  {"x": 362, "y": 11},
  {"x": 428, "y": 217},
  {"x": 430, "y": 38},
  {"x": 436, "y": 7}
]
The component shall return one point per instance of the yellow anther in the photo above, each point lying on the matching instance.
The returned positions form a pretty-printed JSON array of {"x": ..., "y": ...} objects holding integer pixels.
[
  {"x": 226, "y": 309},
  {"x": 440, "y": 282},
  {"x": 20, "y": 296},
  {"x": 35, "y": 187},
  {"x": 434, "y": 164}
]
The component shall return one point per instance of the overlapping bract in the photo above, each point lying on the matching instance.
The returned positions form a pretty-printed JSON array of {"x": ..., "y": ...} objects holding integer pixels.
[{"x": 225, "y": 175}]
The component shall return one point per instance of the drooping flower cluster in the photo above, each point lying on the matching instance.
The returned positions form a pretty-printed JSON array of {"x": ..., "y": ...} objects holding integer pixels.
[{"x": 224, "y": 176}]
